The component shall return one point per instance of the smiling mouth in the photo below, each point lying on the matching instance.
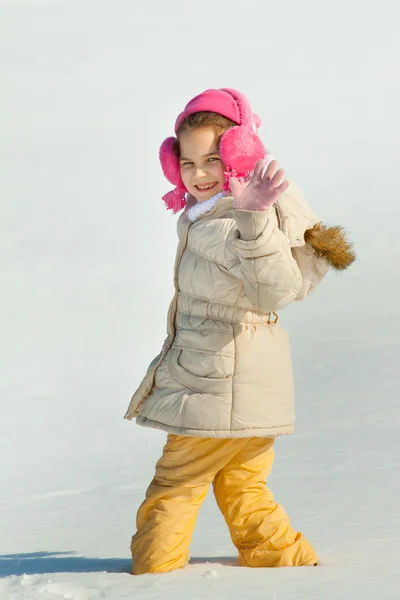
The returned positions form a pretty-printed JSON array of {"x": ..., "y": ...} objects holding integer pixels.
[{"x": 206, "y": 187}]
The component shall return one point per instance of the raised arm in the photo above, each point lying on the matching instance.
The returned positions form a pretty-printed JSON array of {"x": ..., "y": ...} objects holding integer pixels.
[{"x": 271, "y": 276}]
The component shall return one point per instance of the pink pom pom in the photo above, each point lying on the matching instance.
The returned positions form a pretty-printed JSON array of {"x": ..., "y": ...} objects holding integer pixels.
[
  {"x": 175, "y": 200},
  {"x": 241, "y": 176}
]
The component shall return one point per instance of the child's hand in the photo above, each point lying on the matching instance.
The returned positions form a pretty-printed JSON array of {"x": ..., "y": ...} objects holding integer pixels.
[{"x": 262, "y": 190}]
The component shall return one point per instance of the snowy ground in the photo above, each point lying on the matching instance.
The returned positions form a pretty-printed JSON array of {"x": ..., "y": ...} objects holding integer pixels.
[{"x": 89, "y": 90}]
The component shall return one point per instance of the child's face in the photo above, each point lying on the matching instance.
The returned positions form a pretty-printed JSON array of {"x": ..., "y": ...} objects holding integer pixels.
[{"x": 202, "y": 170}]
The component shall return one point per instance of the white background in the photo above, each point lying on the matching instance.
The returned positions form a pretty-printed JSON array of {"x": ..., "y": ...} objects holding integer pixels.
[{"x": 89, "y": 91}]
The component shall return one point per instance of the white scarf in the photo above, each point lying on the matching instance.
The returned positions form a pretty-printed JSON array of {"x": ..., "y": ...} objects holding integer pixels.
[{"x": 195, "y": 211}]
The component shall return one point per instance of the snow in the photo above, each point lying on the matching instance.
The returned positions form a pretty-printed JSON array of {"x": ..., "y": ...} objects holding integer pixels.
[{"x": 89, "y": 91}]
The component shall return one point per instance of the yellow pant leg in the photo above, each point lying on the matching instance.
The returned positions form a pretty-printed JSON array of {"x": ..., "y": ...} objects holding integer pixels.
[
  {"x": 259, "y": 527},
  {"x": 166, "y": 519}
]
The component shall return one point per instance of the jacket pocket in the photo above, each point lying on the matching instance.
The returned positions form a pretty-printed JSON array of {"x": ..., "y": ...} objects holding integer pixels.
[{"x": 202, "y": 372}]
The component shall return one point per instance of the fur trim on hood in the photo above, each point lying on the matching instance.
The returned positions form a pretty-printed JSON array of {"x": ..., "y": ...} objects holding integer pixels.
[{"x": 331, "y": 244}]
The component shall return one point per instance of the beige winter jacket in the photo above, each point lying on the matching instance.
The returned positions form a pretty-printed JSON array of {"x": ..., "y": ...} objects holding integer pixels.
[{"x": 225, "y": 368}]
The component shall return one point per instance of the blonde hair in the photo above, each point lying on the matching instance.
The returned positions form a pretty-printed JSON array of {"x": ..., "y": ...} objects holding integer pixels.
[{"x": 200, "y": 119}]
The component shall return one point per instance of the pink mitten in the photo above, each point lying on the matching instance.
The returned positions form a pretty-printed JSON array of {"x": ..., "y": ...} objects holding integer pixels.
[{"x": 262, "y": 190}]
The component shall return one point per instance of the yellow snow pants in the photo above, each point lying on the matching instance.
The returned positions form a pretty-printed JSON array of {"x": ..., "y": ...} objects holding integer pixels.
[{"x": 238, "y": 468}]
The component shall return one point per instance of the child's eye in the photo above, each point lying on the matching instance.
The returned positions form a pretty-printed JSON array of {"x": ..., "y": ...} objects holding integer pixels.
[
  {"x": 185, "y": 164},
  {"x": 213, "y": 158}
]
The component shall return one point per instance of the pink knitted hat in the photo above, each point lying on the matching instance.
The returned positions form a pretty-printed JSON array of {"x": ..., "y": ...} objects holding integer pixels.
[{"x": 239, "y": 147}]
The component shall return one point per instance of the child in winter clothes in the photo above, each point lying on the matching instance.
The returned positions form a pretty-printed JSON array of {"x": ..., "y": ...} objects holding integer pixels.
[{"x": 222, "y": 384}]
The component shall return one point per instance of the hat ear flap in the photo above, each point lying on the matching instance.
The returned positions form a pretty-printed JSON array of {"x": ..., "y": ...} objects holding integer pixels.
[
  {"x": 169, "y": 161},
  {"x": 175, "y": 199},
  {"x": 240, "y": 148}
]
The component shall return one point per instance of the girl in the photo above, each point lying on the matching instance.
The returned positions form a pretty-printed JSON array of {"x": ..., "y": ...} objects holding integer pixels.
[{"x": 222, "y": 384}]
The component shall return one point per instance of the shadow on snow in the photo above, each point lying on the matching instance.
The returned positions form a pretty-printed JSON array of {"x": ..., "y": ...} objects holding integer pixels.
[
  {"x": 65, "y": 562},
  {"x": 59, "y": 562}
]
